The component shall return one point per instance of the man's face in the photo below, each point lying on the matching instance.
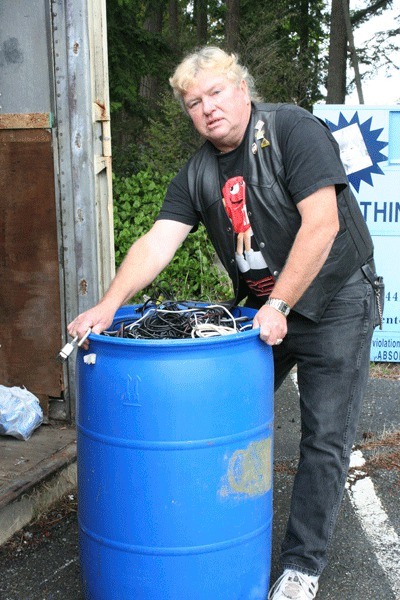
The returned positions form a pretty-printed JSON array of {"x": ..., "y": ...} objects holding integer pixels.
[{"x": 219, "y": 109}]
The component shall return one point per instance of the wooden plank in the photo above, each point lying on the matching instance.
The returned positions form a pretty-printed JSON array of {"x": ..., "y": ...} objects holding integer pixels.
[
  {"x": 26, "y": 121},
  {"x": 29, "y": 272}
]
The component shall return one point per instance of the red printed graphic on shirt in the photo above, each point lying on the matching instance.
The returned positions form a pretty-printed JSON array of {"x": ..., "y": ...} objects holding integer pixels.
[
  {"x": 249, "y": 259},
  {"x": 262, "y": 287},
  {"x": 234, "y": 195}
]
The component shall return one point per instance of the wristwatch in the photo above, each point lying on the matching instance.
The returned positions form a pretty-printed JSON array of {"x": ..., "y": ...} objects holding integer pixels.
[{"x": 279, "y": 305}]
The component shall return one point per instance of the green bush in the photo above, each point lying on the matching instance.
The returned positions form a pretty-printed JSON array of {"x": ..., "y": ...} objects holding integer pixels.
[{"x": 192, "y": 274}]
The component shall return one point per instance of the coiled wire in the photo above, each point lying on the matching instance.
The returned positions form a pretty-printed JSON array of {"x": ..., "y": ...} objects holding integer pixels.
[{"x": 171, "y": 319}]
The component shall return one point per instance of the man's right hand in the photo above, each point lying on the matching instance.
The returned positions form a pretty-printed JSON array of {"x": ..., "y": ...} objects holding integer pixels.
[{"x": 97, "y": 319}]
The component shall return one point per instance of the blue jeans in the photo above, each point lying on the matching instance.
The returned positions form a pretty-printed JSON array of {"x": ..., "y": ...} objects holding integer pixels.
[{"x": 332, "y": 359}]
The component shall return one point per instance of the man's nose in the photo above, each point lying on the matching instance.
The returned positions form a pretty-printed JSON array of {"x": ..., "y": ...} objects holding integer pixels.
[{"x": 208, "y": 105}]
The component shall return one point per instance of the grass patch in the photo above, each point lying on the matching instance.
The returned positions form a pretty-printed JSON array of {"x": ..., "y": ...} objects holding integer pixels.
[{"x": 382, "y": 370}]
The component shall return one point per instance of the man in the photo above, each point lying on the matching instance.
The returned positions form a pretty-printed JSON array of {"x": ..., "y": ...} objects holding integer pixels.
[{"x": 271, "y": 190}]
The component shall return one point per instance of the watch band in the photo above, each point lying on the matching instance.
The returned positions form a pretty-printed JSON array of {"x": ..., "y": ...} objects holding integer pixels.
[{"x": 279, "y": 305}]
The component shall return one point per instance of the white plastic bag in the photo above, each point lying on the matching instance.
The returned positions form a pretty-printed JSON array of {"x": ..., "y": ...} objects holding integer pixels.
[{"x": 20, "y": 412}]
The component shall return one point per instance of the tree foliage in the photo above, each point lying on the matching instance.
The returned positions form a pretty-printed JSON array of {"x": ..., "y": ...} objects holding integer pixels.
[
  {"x": 169, "y": 139},
  {"x": 281, "y": 43}
]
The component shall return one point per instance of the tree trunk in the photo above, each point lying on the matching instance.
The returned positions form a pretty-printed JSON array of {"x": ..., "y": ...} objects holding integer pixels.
[
  {"x": 173, "y": 22},
  {"x": 200, "y": 11},
  {"x": 232, "y": 25},
  {"x": 153, "y": 23},
  {"x": 353, "y": 51},
  {"x": 336, "y": 81},
  {"x": 304, "y": 33}
]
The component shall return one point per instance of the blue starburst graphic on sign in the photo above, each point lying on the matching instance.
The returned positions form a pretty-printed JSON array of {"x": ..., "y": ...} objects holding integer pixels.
[{"x": 360, "y": 149}]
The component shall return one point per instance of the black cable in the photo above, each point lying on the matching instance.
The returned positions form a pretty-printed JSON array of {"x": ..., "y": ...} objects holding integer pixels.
[{"x": 158, "y": 318}]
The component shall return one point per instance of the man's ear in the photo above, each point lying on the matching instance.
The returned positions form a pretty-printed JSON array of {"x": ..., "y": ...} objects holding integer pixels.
[{"x": 244, "y": 88}]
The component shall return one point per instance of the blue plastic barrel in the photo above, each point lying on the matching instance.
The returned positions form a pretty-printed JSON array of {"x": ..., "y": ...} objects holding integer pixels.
[{"x": 175, "y": 442}]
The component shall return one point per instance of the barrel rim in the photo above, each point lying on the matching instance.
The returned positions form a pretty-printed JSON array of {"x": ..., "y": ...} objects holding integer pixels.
[{"x": 229, "y": 339}]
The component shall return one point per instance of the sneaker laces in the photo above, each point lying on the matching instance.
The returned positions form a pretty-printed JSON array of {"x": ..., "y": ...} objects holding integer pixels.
[{"x": 294, "y": 585}]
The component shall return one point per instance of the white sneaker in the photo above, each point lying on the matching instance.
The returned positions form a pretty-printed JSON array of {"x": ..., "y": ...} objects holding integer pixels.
[{"x": 294, "y": 585}]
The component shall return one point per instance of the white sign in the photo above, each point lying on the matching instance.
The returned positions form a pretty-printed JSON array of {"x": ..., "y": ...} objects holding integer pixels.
[{"x": 369, "y": 142}]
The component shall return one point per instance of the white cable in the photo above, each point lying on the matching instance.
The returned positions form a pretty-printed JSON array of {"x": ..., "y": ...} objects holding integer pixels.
[{"x": 206, "y": 330}]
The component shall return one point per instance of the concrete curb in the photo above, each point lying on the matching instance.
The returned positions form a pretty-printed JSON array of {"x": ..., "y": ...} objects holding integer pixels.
[{"x": 33, "y": 493}]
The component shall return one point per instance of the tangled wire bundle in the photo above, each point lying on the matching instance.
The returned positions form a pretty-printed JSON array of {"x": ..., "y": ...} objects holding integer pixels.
[{"x": 179, "y": 320}]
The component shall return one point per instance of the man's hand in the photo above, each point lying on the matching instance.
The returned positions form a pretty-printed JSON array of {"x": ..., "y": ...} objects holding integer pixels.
[
  {"x": 272, "y": 324},
  {"x": 97, "y": 318}
]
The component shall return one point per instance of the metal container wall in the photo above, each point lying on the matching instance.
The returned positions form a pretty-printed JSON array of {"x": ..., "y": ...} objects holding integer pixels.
[{"x": 175, "y": 454}]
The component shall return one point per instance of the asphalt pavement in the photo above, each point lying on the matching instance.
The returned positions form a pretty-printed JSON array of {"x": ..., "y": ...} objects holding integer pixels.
[{"x": 41, "y": 562}]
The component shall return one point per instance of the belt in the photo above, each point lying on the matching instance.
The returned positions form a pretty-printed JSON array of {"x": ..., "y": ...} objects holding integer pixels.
[
  {"x": 360, "y": 273},
  {"x": 357, "y": 276}
]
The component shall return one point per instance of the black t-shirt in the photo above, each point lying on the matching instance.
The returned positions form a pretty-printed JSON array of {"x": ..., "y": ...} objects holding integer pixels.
[{"x": 310, "y": 163}]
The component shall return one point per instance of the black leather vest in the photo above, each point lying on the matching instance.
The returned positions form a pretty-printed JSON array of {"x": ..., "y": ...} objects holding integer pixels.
[{"x": 274, "y": 217}]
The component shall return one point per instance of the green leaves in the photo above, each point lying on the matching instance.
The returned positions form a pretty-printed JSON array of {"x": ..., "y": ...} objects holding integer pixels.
[{"x": 193, "y": 273}]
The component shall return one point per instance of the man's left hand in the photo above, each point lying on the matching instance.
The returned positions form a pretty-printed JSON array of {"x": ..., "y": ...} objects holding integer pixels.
[{"x": 272, "y": 324}]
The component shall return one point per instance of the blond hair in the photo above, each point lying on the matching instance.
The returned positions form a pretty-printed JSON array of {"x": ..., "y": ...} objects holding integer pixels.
[{"x": 210, "y": 58}]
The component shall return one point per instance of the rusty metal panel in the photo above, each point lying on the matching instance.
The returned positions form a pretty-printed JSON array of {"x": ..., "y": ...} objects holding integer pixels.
[
  {"x": 30, "y": 330},
  {"x": 25, "y": 56}
]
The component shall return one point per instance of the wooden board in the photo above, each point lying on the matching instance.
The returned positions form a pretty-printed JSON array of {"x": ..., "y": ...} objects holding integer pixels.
[
  {"x": 25, "y": 121},
  {"x": 30, "y": 329}
]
